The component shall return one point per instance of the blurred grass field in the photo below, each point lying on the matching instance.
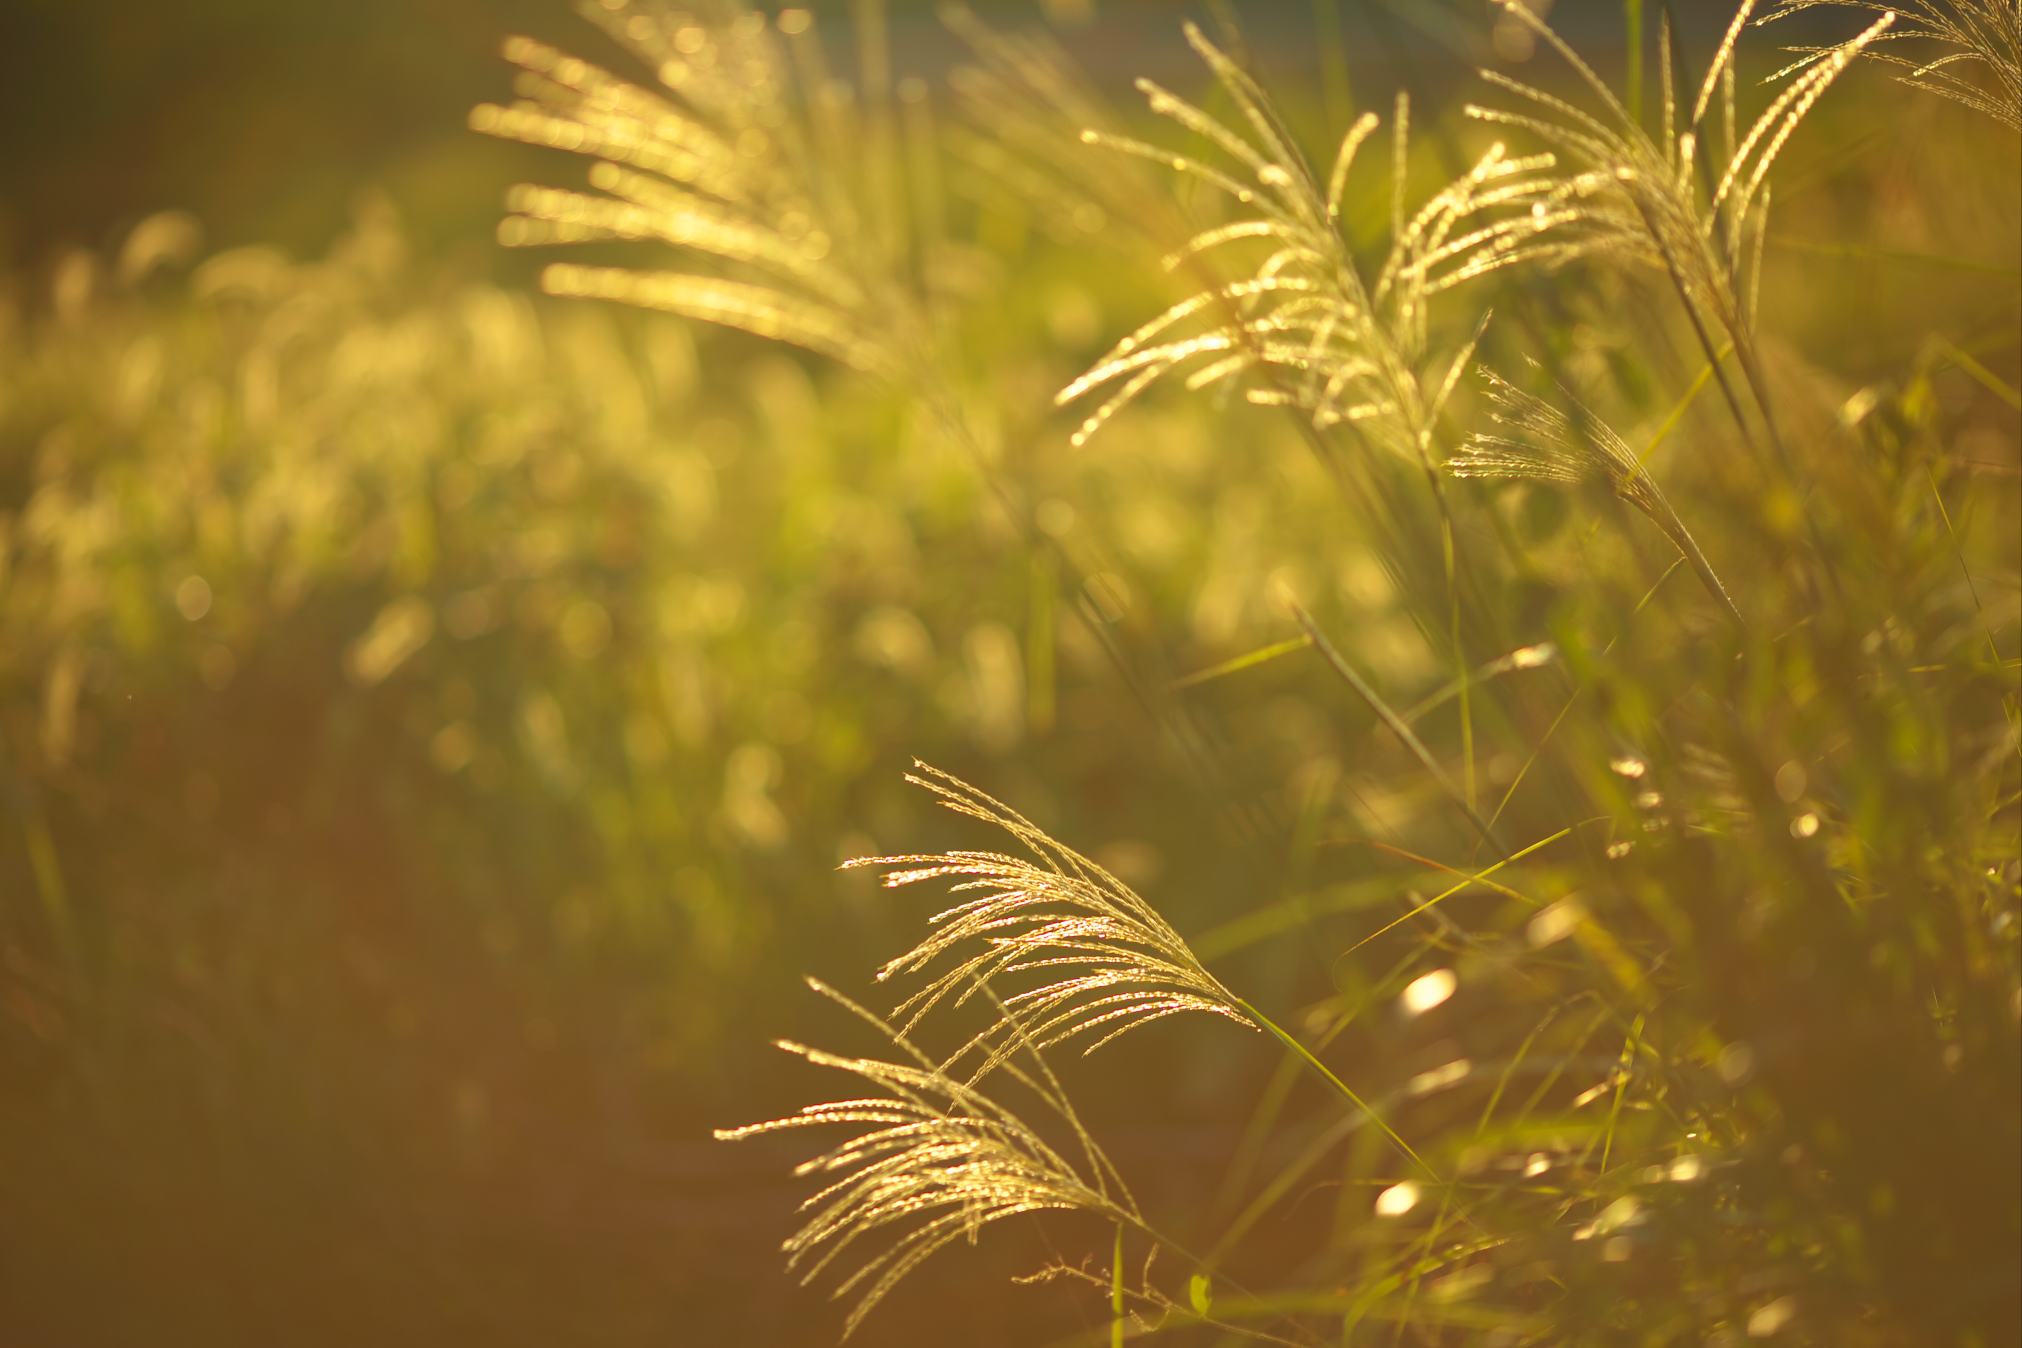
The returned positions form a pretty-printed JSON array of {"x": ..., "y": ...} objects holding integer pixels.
[{"x": 432, "y": 713}]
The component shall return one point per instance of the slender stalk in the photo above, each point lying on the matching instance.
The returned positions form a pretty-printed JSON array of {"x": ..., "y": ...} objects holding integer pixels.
[
  {"x": 1116, "y": 1293},
  {"x": 1713, "y": 353},
  {"x": 1743, "y": 348},
  {"x": 1758, "y": 383},
  {"x": 1632, "y": 17},
  {"x": 1449, "y": 556},
  {"x": 1689, "y": 545},
  {"x": 1396, "y": 723},
  {"x": 1347, "y": 1092}
]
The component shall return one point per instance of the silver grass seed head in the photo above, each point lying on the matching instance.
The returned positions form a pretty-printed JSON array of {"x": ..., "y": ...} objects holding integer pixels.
[
  {"x": 928, "y": 1160},
  {"x": 1078, "y": 955},
  {"x": 739, "y": 163},
  {"x": 1304, "y": 327}
]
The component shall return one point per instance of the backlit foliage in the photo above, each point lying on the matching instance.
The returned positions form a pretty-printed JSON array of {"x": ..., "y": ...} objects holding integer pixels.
[
  {"x": 1065, "y": 953},
  {"x": 1641, "y": 199},
  {"x": 432, "y": 715},
  {"x": 940, "y": 1160},
  {"x": 1307, "y": 328},
  {"x": 1109, "y": 963},
  {"x": 1541, "y": 443},
  {"x": 750, "y": 158},
  {"x": 1969, "y": 51},
  {"x": 1639, "y": 1166}
]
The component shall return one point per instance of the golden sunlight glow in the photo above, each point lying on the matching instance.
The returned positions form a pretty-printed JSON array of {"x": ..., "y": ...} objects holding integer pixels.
[
  {"x": 1426, "y": 991},
  {"x": 1397, "y": 1200}
]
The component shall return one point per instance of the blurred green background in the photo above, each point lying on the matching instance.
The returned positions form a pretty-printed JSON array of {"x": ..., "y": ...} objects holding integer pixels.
[{"x": 431, "y": 714}]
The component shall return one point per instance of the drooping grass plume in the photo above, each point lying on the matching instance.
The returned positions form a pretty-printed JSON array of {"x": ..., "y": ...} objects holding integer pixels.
[
  {"x": 1309, "y": 326},
  {"x": 1541, "y": 443},
  {"x": 760, "y": 168},
  {"x": 1955, "y": 37},
  {"x": 1106, "y": 961},
  {"x": 933, "y": 1161}
]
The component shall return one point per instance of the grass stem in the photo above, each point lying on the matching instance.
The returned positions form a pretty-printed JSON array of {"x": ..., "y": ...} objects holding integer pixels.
[
  {"x": 1396, "y": 723},
  {"x": 1347, "y": 1092}
]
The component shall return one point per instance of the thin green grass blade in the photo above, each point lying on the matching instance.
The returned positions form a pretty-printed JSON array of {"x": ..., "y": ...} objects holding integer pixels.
[
  {"x": 1347, "y": 1092},
  {"x": 1525, "y": 657},
  {"x": 1480, "y": 877},
  {"x": 1395, "y": 722},
  {"x": 1238, "y": 664},
  {"x": 1985, "y": 377}
]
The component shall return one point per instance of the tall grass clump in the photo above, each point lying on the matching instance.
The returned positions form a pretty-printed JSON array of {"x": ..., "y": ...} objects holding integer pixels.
[
  {"x": 1692, "y": 201},
  {"x": 1667, "y": 952}
]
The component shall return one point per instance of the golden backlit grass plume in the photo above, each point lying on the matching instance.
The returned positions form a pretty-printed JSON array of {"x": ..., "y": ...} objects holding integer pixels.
[
  {"x": 931, "y": 1161},
  {"x": 750, "y": 158},
  {"x": 1310, "y": 326},
  {"x": 1953, "y": 37},
  {"x": 1541, "y": 443},
  {"x": 1021, "y": 102},
  {"x": 1693, "y": 200},
  {"x": 1105, "y": 961}
]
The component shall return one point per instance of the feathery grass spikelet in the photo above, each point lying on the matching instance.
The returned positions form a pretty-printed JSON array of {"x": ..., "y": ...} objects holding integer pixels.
[
  {"x": 1629, "y": 197},
  {"x": 934, "y": 1162},
  {"x": 744, "y": 160},
  {"x": 1306, "y": 328},
  {"x": 1107, "y": 962},
  {"x": 1963, "y": 34},
  {"x": 1541, "y": 443}
]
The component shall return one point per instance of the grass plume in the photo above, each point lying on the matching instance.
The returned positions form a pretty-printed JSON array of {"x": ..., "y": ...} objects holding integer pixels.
[
  {"x": 935, "y": 1162},
  {"x": 1683, "y": 201},
  {"x": 1107, "y": 961},
  {"x": 1538, "y": 442},
  {"x": 1310, "y": 326},
  {"x": 1958, "y": 36},
  {"x": 749, "y": 158}
]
